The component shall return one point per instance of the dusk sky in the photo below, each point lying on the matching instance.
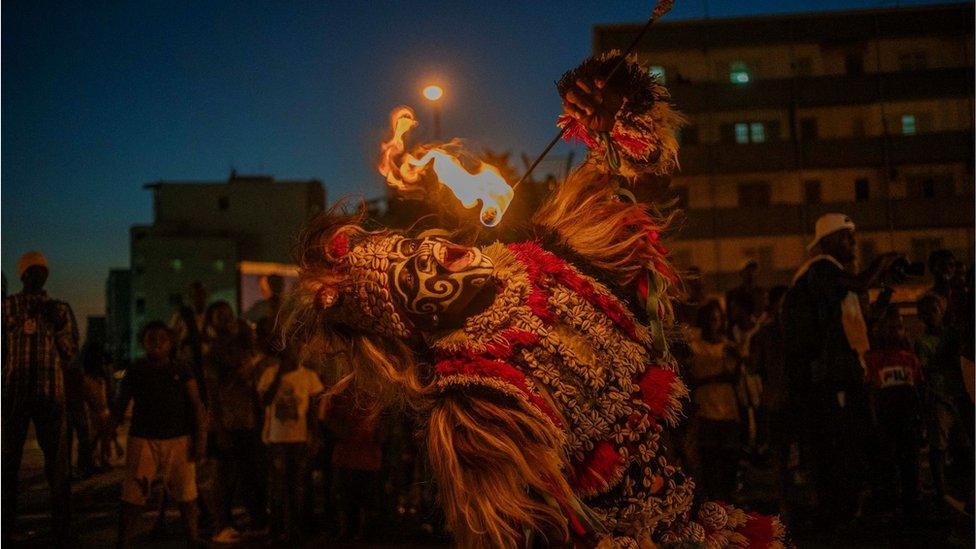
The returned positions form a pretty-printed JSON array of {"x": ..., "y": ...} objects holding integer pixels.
[{"x": 100, "y": 98}]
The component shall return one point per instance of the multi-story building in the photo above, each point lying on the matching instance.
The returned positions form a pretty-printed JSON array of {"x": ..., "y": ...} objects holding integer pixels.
[
  {"x": 118, "y": 315},
  {"x": 868, "y": 113},
  {"x": 224, "y": 234}
]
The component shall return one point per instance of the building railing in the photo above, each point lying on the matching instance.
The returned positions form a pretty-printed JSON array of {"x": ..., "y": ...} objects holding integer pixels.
[
  {"x": 792, "y": 219},
  {"x": 925, "y": 148},
  {"x": 821, "y": 91}
]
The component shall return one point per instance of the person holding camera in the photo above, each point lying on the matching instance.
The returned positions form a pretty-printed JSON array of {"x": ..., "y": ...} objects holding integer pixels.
[
  {"x": 40, "y": 341},
  {"x": 828, "y": 337}
]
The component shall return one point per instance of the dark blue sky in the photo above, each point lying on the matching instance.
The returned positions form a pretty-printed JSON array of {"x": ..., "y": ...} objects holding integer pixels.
[{"x": 99, "y": 98}]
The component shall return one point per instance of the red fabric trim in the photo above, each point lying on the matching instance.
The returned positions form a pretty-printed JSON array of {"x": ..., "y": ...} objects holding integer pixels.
[
  {"x": 498, "y": 370},
  {"x": 575, "y": 131},
  {"x": 538, "y": 262},
  {"x": 655, "y": 389},
  {"x": 759, "y": 531},
  {"x": 339, "y": 245},
  {"x": 513, "y": 338},
  {"x": 636, "y": 146},
  {"x": 598, "y": 469}
]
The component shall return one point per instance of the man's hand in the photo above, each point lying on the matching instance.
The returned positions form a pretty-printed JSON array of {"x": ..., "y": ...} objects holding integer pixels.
[{"x": 593, "y": 103}]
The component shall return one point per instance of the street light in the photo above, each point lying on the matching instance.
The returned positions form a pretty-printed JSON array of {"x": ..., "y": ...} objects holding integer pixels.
[{"x": 433, "y": 93}]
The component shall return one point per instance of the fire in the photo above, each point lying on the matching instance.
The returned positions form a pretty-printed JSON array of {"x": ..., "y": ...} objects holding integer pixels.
[{"x": 403, "y": 170}]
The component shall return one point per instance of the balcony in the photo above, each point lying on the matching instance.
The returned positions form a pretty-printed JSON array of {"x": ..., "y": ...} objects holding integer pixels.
[
  {"x": 822, "y": 91},
  {"x": 724, "y": 158},
  {"x": 785, "y": 219}
]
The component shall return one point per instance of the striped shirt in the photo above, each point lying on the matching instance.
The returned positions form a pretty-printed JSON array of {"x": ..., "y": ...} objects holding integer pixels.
[{"x": 40, "y": 341}]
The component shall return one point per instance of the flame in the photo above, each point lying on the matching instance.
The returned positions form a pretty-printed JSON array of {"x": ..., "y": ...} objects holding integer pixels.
[{"x": 403, "y": 170}]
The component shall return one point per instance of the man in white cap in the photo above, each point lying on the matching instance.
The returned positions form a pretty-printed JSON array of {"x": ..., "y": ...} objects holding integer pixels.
[
  {"x": 827, "y": 337},
  {"x": 40, "y": 341}
]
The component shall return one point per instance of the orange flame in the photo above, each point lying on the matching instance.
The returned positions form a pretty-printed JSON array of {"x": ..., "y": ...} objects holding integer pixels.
[{"x": 403, "y": 171}]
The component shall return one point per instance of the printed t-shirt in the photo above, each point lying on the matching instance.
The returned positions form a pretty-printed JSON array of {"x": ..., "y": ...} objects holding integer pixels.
[{"x": 285, "y": 420}]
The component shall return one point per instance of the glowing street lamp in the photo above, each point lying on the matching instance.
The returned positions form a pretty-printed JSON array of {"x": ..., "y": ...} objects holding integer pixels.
[{"x": 433, "y": 93}]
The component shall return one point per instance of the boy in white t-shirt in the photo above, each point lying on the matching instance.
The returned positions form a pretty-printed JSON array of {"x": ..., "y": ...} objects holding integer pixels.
[{"x": 287, "y": 390}]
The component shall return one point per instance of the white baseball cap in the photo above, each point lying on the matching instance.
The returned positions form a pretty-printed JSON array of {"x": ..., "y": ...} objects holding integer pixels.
[{"x": 829, "y": 224}]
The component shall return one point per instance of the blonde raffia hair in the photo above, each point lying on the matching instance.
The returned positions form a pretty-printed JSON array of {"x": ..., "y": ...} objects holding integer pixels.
[
  {"x": 587, "y": 214},
  {"x": 380, "y": 371}
]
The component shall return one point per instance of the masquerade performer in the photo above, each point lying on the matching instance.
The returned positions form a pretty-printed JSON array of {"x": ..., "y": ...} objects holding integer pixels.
[{"x": 540, "y": 368}]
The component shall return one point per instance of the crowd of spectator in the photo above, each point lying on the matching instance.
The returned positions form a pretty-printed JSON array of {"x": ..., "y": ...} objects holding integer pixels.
[
  {"x": 827, "y": 384},
  {"x": 834, "y": 387}
]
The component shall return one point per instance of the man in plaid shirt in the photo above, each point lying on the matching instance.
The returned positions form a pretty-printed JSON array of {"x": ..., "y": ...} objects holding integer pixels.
[{"x": 40, "y": 341}]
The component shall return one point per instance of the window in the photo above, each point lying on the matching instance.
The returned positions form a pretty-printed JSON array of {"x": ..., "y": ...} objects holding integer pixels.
[
  {"x": 689, "y": 135},
  {"x": 223, "y": 203},
  {"x": 757, "y": 193},
  {"x": 812, "y": 192},
  {"x": 862, "y": 190},
  {"x": 908, "y": 124},
  {"x": 176, "y": 264},
  {"x": 930, "y": 186},
  {"x": 741, "y": 132},
  {"x": 808, "y": 129},
  {"x": 757, "y": 132},
  {"x": 803, "y": 66},
  {"x": 750, "y": 132},
  {"x": 739, "y": 73},
  {"x": 219, "y": 265},
  {"x": 657, "y": 71},
  {"x": 854, "y": 63},
  {"x": 913, "y": 61}
]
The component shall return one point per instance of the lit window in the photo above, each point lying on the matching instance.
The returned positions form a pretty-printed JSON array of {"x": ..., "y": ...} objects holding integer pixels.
[
  {"x": 177, "y": 264},
  {"x": 741, "y": 132},
  {"x": 657, "y": 71},
  {"x": 908, "y": 126},
  {"x": 739, "y": 73},
  {"x": 757, "y": 132},
  {"x": 219, "y": 265}
]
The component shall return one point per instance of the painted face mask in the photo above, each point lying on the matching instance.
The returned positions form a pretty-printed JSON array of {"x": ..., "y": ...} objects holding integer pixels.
[
  {"x": 438, "y": 283},
  {"x": 425, "y": 283}
]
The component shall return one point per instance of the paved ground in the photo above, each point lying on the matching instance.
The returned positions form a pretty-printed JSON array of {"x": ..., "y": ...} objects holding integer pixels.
[{"x": 95, "y": 506}]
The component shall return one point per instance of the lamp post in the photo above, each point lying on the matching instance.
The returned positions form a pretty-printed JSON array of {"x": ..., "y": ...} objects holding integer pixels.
[{"x": 433, "y": 93}]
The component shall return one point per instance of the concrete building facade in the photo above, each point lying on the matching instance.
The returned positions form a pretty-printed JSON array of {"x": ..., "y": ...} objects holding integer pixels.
[
  {"x": 866, "y": 112},
  {"x": 216, "y": 233}
]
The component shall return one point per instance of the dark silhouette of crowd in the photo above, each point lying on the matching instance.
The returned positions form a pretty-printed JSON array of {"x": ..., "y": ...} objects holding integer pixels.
[
  {"x": 849, "y": 400},
  {"x": 833, "y": 388}
]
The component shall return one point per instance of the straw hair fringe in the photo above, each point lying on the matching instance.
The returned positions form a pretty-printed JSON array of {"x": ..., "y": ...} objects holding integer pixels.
[
  {"x": 492, "y": 463},
  {"x": 610, "y": 233}
]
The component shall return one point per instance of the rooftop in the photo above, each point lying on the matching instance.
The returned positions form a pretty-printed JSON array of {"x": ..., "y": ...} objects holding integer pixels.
[{"x": 827, "y": 27}]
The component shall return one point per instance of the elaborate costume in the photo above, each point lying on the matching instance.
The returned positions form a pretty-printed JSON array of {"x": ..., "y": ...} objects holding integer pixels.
[{"x": 540, "y": 368}]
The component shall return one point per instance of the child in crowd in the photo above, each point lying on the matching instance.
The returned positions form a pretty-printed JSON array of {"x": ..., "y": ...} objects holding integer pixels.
[
  {"x": 287, "y": 389},
  {"x": 230, "y": 372},
  {"x": 715, "y": 369},
  {"x": 167, "y": 434},
  {"x": 938, "y": 349},
  {"x": 895, "y": 375}
]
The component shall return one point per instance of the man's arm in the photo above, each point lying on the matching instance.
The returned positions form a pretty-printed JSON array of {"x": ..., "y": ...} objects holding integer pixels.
[
  {"x": 122, "y": 400},
  {"x": 200, "y": 415},
  {"x": 268, "y": 395},
  {"x": 66, "y": 333}
]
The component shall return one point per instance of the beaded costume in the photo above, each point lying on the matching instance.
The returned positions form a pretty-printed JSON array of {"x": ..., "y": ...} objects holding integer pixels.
[{"x": 541, "y": 368}]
